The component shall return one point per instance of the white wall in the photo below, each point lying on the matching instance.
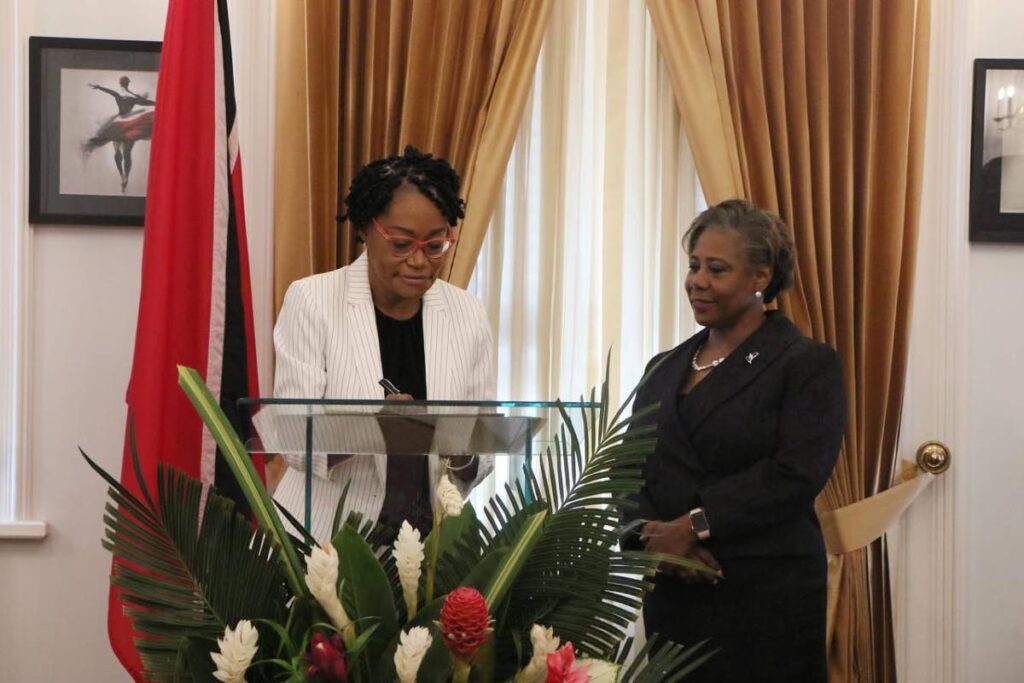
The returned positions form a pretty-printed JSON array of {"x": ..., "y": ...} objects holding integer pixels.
[
  {"x": 958, "y": 598},
  {"x": 957, "y": 553},
  {"x": 994, "y": 543},
  {"x": 994, "y": 538},
  {"x": 83, "y": 288}
]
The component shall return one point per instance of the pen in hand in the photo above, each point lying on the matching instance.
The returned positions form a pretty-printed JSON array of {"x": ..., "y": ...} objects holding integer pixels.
[{"x": 389, "y": 387}]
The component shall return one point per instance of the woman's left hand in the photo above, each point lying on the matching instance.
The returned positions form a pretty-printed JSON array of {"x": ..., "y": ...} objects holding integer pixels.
[{"x": 672, "y": 538}]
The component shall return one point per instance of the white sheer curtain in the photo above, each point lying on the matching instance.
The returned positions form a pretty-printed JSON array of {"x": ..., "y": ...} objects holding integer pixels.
[{"x": 583, "y": 254}]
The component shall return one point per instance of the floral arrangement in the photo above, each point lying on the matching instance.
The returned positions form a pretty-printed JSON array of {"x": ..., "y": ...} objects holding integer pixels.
[{"x": 538, "y": 591}]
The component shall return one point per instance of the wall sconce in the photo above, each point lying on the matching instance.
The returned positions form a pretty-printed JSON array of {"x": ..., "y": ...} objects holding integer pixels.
[{"x": 1005, "y": 112}]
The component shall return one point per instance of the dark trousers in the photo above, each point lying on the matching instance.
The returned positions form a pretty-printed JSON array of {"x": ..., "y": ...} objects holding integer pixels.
[{"x": 766, "y": 619}]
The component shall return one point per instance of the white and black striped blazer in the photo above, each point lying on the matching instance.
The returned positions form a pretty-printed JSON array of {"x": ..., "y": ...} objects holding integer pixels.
[{"x": 326, "y": 346}]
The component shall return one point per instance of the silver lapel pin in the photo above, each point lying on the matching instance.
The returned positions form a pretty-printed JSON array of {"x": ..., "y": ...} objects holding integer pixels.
[{"x": 751, "y": 356}]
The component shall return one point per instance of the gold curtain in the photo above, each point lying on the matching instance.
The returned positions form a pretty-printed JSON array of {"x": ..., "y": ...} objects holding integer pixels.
[
  {"x": 306, "y": 140},
  {"x": 448, "y": 76},
  {"x": 815, "y": 109}
]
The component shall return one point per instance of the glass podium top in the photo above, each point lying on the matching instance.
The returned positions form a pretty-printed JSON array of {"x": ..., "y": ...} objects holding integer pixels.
[
  {"x": 551, "y": 405},
  {"x": 313, "y": 434},
  {"x": 369, "y": 427}
]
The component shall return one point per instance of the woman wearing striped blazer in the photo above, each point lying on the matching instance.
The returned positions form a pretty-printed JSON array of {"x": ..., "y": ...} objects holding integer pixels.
[{"x": 385, "y": 316}]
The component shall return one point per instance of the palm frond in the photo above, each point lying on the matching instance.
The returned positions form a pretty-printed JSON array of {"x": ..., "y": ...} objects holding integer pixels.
[
  {"x": 245, "y": 474},
  {"x": 181, "y": 577},
  {"x": 304, "y": 542},
  {"x": 578, "y": 581},
  {"x": 374, "y": 533},
  {"x": 515, "y": 560},
  {"x": 664, "y": 662}
]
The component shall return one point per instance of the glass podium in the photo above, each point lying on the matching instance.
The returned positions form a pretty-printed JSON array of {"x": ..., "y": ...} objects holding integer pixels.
[{"x": 308, "y": 431}]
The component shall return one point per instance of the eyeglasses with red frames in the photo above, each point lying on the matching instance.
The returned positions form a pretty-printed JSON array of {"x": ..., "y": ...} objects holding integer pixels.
[{"x": 403, "y": 246}]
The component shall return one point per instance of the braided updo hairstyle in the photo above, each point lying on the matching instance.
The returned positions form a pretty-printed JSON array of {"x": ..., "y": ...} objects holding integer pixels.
[
  {"x": 374, "y": 187},
  {"x": 766, "y": 238}
]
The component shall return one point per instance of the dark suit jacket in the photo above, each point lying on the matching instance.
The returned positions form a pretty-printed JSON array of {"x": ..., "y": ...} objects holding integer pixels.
[{"x": 766, "y": 434}]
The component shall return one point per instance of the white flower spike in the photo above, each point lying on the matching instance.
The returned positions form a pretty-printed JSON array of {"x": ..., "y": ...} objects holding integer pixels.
[
  {"x": 322, "y": 581},
  {"x": 408, "y": 554},
  {"x": 449, "y": 500},
  {"x": 413, "y": 645},
  {"x": 237, "y": 648},
  {"x": 544, "y": 643}
]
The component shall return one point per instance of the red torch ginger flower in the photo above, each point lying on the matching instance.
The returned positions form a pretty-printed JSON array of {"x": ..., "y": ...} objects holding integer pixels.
[
  {"x": 464, "y": 622},
  {"x": 562, "y": 667},
  {"x": 327, "y": 659}
]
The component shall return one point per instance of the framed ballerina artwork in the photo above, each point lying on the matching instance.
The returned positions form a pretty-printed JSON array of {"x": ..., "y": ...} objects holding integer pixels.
[{"x": 91, "y": 107}]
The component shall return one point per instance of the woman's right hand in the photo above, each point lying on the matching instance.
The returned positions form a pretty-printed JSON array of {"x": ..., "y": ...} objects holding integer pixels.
[
  {"x": 704, "y": 556},
  {"x": 678, "y": 538}
]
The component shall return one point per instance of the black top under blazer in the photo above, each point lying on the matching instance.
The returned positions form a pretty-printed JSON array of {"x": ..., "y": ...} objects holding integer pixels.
[{"x": 765, "y": 428}]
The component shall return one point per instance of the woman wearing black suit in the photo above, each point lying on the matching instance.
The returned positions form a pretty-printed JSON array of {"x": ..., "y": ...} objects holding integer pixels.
[{"x": 749, "y": 426}]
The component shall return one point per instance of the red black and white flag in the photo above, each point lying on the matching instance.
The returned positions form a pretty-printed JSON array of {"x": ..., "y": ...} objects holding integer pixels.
[{"x": 196, "y": 305}]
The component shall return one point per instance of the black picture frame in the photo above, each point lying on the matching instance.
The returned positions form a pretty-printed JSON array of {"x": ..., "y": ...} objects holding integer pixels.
[
  {"x": 90, "y": 119},
  {"x": 997, "y": 152}
]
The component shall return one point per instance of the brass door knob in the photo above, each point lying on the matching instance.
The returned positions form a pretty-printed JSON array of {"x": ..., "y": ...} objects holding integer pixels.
[{"x": 933, "y": 457}]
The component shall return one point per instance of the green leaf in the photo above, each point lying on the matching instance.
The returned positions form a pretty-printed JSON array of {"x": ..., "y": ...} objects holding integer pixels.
[
  {"x": 361, "y": 641},
  {"x": 460, "y": 549},
  {"x": 245, "y": 474},
  {"x": 200, "y": 664},
  {"x": 368, "y": 589},
  {"x": 282, "y": 634},
  {"x": 513, "y": 562}
]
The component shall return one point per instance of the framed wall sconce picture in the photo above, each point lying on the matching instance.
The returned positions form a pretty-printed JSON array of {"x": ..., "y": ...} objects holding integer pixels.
[
  {"x": 91, "y": 108},
  {"x": 997, "y": 152}
]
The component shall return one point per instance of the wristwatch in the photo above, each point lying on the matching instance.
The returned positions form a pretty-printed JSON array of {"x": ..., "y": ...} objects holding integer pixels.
[{"x": 699, "y": 524}]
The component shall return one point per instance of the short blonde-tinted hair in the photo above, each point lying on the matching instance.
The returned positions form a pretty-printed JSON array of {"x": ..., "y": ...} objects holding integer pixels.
[{"x": 766, "y": 238}]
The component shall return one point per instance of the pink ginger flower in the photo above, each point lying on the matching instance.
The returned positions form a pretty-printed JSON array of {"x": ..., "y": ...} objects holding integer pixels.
[{"x": 562, "y": 667}]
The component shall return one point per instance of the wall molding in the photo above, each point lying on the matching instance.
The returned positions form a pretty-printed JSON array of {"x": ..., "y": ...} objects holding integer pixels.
[
  {"x": 928, "y": 572},
  {"x": 15, "y": 474},
  {"x": 9, "y": 273},
  {"x": 31, "y": 530}
]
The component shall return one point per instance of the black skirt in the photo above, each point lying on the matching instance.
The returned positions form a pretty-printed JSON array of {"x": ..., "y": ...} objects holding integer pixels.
[{"x": 766, "y": 619}]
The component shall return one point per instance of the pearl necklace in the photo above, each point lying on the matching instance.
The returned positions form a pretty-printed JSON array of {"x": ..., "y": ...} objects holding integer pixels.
[{"x": 701, "y": 368}]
